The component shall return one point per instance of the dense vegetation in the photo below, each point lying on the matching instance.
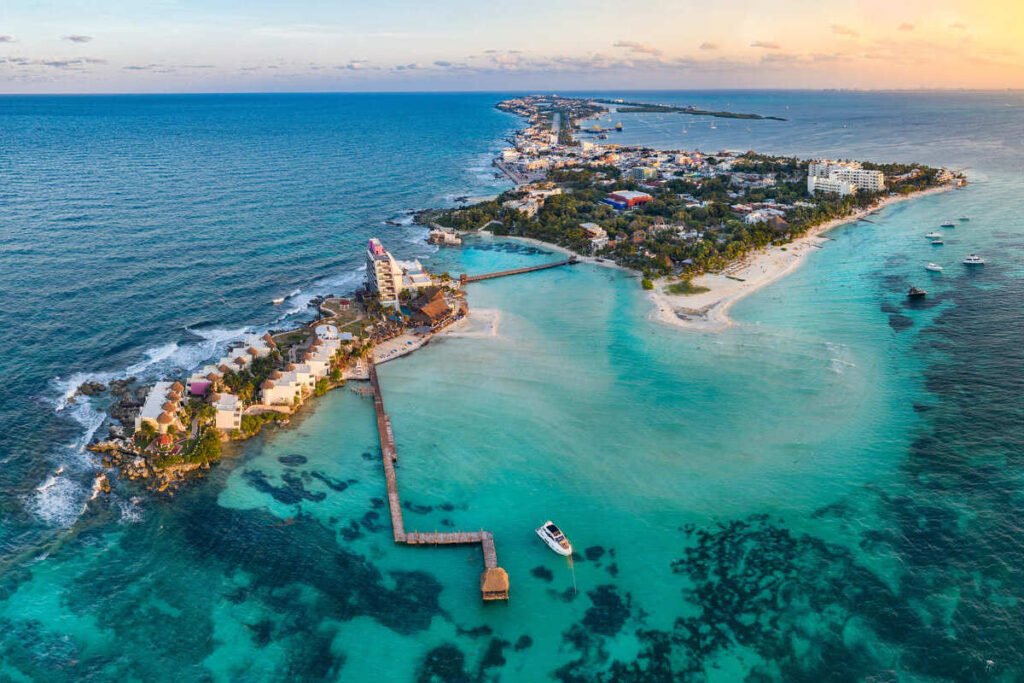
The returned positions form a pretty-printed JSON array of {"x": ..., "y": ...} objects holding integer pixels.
[{"x": 650, "y": 238}]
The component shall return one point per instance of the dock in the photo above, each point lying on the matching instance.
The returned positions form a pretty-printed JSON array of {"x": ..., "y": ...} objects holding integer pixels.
[
  {"x": 494, "y": 582},
  {"x": 466, "y": 279}
]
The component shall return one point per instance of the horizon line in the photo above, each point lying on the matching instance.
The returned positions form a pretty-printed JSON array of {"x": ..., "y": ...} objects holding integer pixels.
[{"x": 503, "y": 91}]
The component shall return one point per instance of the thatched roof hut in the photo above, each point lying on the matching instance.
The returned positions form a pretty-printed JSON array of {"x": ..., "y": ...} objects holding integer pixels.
[{"x": 494, "y": 584}]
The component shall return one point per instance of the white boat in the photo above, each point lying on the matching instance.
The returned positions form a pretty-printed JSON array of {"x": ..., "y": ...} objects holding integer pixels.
[
  {"x": 974, "y": 260},
  {"x": 934, "y": 234},
  {"x": 934, "y": 267},
  {"x": 555, "y": 539},
  {"x": 937, "y": 243},
  {"x": 948, "y": 224},
  {"x": 278, "y": 301}
]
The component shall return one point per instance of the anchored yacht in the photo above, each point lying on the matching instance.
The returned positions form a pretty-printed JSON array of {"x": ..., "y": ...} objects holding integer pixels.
[
  {"x": 974, "y": 260},
  {"x": 934, "y": 234},
  {"x": 934, "y": 267},
  {"x": 555, "y": 539}
]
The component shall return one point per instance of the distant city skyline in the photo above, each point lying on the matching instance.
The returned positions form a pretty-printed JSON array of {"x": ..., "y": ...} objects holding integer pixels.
[{"x": 230, "y": 46}]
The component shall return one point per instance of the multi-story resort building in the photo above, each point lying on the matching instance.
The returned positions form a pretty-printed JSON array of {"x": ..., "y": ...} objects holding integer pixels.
[
  {"x": 842, "y": 178},
  {"x": 383, "y": 273}
]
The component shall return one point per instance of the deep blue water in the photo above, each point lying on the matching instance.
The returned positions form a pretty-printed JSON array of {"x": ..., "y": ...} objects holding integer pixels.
[{"x": 830, "y": 490}]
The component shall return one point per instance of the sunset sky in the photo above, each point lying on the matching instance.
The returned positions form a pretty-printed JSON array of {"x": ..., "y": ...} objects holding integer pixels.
[{"x": 305, "y": 45}]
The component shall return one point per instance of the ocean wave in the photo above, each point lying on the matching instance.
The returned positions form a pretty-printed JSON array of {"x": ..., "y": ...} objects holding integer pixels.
[
  {"x": 59, "y": 500},
  {"x": 131, "y": 510},
  {"x": 335, "y": 284}
]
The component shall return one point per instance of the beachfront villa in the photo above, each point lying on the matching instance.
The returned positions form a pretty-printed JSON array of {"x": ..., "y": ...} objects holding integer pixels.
[
  {"x": 238, "y": 357},
  {"x": 842, "y": 178},
  {"x": 292, "y": 385},
  {"x": 282, "y": 389},
  {"x": 160, "y": 410},
  {"x": 596, "y": 234},
  {"x": 229, "y": 411},
  {"x": 413, "y": 276},
  {"x": 383, "y": 274},
  {"x": 444, "y": 237}
]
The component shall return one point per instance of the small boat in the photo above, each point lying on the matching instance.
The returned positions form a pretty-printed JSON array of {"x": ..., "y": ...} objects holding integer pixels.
[
  {"x": 555, "y": 539},
  {"x": 277, "y": 301},
  {"x": 937, "y": 243},
  {"x": 934, "y": 234},
  {"x": 974, "y": 260},
  {"x": 964, "y": 219},
  {"x": 948, "y": 224},
  {"x": 934, "y": 267},
  {"x": 916, "y": 293},
  {"x": 618, "y": 126}
]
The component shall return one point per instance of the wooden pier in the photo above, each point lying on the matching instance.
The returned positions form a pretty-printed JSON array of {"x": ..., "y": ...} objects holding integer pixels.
[
  {"x": 494, "y": 580},
  {"x": 466, "y": 279}
]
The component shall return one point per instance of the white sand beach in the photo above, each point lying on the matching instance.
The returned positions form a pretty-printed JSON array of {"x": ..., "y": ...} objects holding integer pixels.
[{"x": 708, "y": 311}]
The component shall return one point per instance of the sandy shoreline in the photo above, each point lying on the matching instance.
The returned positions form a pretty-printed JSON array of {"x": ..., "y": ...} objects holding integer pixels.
[{"x": 708, "y": 311}]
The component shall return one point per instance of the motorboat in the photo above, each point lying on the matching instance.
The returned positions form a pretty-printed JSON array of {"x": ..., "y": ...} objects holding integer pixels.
[
  {"x": 277, "y": 301},
  {"x": 916, "y": 293},
  {"x": 974, "y": 260},
  {"x": 934, "y": 267},
  {"x": 934, "y": 235},
  {"x": 948, "y": 224},
  {"x": 937, "y": 243},
  {"x": 555, "y": 539}
]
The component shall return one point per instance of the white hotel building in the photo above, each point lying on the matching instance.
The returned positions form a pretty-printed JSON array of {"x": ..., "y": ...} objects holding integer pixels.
[
  {"x": 842, "y": 178},
  {"x": 383, "y": 273}
]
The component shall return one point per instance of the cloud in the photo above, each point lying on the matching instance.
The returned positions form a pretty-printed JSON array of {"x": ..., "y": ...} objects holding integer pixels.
[
  {"x": 76, "y": 38},
  {"x": 640, "y": 48},
  {"x": 708, "y": 46},
  {"x": 6, "y": 39},
  {"x": 766, "y": 45},
  {"x": 958, "y": 26},
  {"x": 355, "y": 65},
  {"x": 841, "y": 30},
  {"x": 444, "y": 64},
  {"x": 76, "y": 63},
  {"x": 905, "y": 27},
  {"x": 407, "y": 67}
]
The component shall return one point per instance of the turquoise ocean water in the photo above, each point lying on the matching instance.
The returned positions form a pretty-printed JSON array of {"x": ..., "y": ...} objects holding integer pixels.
[{"x": 828, "y": 490}]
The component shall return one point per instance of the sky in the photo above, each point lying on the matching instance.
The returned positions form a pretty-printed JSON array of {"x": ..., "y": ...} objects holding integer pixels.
[{"x": 85, "y": 46}]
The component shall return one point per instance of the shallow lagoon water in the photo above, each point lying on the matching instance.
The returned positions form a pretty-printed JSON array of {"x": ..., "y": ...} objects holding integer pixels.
[{"x": 827, "y": 489}]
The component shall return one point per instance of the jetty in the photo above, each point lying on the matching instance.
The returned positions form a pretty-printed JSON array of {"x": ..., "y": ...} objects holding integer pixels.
[
  {"x": 494, "y": 582},
  {"x": 466, "y": 279}
]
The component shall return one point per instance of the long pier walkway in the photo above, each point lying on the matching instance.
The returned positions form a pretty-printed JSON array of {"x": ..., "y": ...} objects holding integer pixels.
[
  {"x": 466, "y": 279},
  {"x": 494, "y": 580}
]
